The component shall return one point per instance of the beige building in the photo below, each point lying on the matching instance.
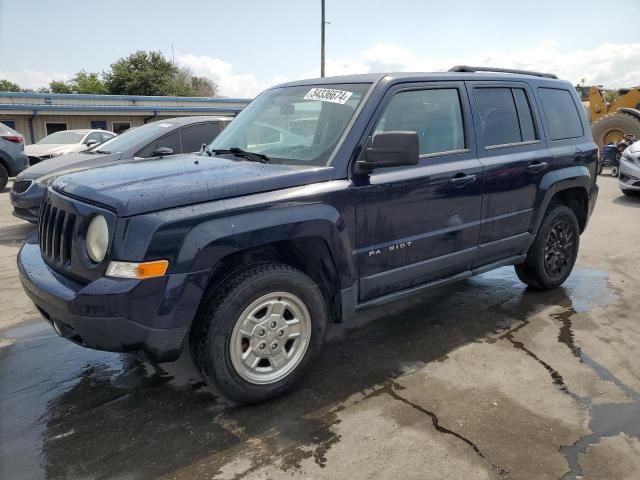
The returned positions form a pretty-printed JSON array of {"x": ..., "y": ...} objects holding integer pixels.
[{"x": 37, "y": 115}]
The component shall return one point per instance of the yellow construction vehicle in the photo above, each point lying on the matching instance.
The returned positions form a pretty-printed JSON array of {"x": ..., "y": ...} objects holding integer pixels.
[{"x": 610, "y": 122}]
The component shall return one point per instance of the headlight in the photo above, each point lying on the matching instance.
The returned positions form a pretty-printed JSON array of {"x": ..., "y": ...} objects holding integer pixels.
[{"x": 97, "y": 238}]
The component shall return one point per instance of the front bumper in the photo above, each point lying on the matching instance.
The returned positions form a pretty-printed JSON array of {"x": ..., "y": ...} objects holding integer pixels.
[
  {"x": 117, "y": 315},
  {"x": 26, "y": 205},
  {"x": 629, "y": 178}
]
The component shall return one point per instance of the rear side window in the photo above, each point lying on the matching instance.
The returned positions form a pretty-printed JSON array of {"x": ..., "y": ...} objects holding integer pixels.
[
  {"x": 561, "y": 113},
  {"x": 193, "y": 136},
  {"x": 435, "y": 115},
  {"x": 505, "y": 114}
]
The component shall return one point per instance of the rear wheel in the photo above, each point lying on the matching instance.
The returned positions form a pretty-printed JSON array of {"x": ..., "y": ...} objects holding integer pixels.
[
  {"x": 615, "y": 171},
  {"x": 259, "y": 332},
  {"x": 4, "y": 178},
  {"x": 553, "y": 254}
]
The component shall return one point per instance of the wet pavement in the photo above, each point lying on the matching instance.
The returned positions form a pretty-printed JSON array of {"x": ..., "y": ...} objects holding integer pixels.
[{"x": 482, "y": 379}]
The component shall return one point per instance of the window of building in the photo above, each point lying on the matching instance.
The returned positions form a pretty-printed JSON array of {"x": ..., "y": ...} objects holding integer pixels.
[
  {"x": 434, "y": 114},
  {"x": 193, "y": 136},
  {"x": 9, "y": 123},
  {"x": 99, "y": 124},
  {"x": 171, "y": 141},
  {"x": 505, "y": 115},
  {"x": 119, "y": 127},
  {"x": 53, "y": 127},
  {"x": 561, "y": 112}
]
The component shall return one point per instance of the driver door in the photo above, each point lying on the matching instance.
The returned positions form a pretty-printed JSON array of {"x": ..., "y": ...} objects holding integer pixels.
[{"x": 420, "y": 223}]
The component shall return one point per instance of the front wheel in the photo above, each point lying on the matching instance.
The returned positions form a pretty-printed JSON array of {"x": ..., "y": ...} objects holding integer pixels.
[
  {"x": 259, "y": 332},
  {"x": 553, "y": 254},
  {"x": 615, "y": 171}
]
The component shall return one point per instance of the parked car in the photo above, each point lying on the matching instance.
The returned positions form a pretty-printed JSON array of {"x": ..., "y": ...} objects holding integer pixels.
[
  {"x": 629, "y": 179},
  {"x": 12, "y": 157},
  {"x": 65, "y": 141},
  {"x": 155, "y": 139},
  {"x": 387, "y": 186}
]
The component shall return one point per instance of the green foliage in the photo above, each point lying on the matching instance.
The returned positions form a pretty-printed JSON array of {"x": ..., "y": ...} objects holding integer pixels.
[
  {"x": 141, "y": 73},
  {"x": 85, "y": 82},
  {"x": 57, "y": 86},
  {"x": 610, "y": 95},
  {"x": 7, "y": 86}
]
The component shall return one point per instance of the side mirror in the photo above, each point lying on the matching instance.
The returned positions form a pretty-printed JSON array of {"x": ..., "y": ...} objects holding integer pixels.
[
  {"x": 162, "y": 152},
  {"x": 91, "y": 143},
  {"x": 390, "y": 149}
]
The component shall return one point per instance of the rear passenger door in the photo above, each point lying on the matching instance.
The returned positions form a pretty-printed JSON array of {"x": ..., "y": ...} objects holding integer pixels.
[
  {"x": 420, "y": 223},
  {"x": 515, "y": 159}
]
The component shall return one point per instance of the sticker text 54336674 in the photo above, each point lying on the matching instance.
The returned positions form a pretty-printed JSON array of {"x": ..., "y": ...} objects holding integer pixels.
[{"x": 328, "y": 95}]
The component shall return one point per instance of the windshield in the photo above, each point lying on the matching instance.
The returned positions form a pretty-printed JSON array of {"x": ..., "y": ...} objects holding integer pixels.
[
  {"x": 65, "y": 136},
  {"x": 294, "y": 125},
  {"x": 133, "y": 137}
]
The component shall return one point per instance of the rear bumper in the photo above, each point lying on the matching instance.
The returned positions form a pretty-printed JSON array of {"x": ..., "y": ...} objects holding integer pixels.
[
  {"x": 593, "y": 197},
  {"x": 21, "y": 162},
  {"x": 117, "y": 315}
]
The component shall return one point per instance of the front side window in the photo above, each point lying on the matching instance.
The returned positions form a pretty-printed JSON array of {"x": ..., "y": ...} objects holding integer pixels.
[
  {"x": 561, "y": 113},
  {"x": 193, "y": 136},
  {"x": 299, "y": 125},
  {"x": 171, "y": 141},
  {"x": 434, "y": 114},
  {"x": 505, "y": 115}
]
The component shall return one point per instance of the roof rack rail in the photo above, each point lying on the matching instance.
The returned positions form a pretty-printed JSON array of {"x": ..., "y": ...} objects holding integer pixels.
[{"x": 466, "y": 68}]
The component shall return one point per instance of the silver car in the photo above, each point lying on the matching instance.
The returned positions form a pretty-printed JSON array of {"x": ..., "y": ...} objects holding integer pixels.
[{"x": 629, "y": 179}]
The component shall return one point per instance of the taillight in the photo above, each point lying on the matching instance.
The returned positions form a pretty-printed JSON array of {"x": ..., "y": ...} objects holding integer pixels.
[{"x": 13, "y": 138}]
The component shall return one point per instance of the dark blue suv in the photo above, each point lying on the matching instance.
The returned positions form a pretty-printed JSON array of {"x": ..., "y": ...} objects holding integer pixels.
[{"x": 322, "y": 198}]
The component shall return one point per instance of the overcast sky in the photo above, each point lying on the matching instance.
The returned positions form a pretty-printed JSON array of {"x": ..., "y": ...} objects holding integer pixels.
[{"x": 247, "y": 45}]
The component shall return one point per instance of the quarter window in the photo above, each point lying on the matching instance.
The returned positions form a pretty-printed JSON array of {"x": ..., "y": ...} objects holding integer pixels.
[
  {"x": 434, "y": 114},
  {"x": 561, "y": 112},
  {"x": 505, "y": 115}
]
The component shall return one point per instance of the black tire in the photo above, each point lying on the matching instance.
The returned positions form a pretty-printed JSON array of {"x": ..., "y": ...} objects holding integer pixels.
[
  {"x": 621, "y": 122},
  {"x": 615, "y": 171},
  {"x": 534, "y": 270},
  {"x": 600, "y": 167},
  {"x": 211, "y": 337},
  {"x": 4, "y": 178}
]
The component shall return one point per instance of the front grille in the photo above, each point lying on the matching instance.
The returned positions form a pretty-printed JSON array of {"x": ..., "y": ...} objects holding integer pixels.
[
  {"x": 21, "y": 186},
  {"x": 56, "y": 234}
]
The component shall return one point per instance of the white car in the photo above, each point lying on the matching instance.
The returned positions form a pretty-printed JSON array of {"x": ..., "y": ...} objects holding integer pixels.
[{"x": 66, "y": 141}]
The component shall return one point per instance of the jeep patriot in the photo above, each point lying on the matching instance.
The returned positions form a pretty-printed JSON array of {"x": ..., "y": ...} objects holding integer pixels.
[{"x": 322, "y": 198}]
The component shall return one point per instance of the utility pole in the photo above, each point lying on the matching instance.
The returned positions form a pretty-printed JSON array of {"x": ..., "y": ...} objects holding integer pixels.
[{"x": 322, "y": 24}]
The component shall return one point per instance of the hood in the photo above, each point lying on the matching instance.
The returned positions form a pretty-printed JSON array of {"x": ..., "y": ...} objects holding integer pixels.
[
  {"x": 37, "y": 149},
  {"x": 67, "y": 163},
  {"x": 143, "y": 186}
]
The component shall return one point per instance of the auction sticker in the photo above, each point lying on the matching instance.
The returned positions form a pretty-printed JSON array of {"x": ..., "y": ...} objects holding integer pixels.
[{"x": 328, "y": 95}]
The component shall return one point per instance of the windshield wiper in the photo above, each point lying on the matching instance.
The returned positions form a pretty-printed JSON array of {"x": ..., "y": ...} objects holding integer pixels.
[{"x": 238, "y": 152}]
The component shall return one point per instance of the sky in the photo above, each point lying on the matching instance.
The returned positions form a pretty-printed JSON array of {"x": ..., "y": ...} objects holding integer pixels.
[{"x": 246, "y": 46}]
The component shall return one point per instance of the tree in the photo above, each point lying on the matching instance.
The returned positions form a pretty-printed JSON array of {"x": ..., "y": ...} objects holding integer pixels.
[
  {"x": 85, "y": 82},
  {"x": 7, "y": 86},
  {"x": 58, "y": 86},
  {"x": 203, "y": 87},
  {"x": 141, "y": 73}
]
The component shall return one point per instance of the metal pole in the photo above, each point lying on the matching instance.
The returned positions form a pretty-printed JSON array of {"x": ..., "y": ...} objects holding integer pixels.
[{"x": 322, "y": 24}]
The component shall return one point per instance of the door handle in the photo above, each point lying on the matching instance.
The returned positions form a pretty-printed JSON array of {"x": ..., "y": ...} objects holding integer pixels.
[
  {"x": 535, "y": 167},
  {"x": 460, "y": 180}
]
